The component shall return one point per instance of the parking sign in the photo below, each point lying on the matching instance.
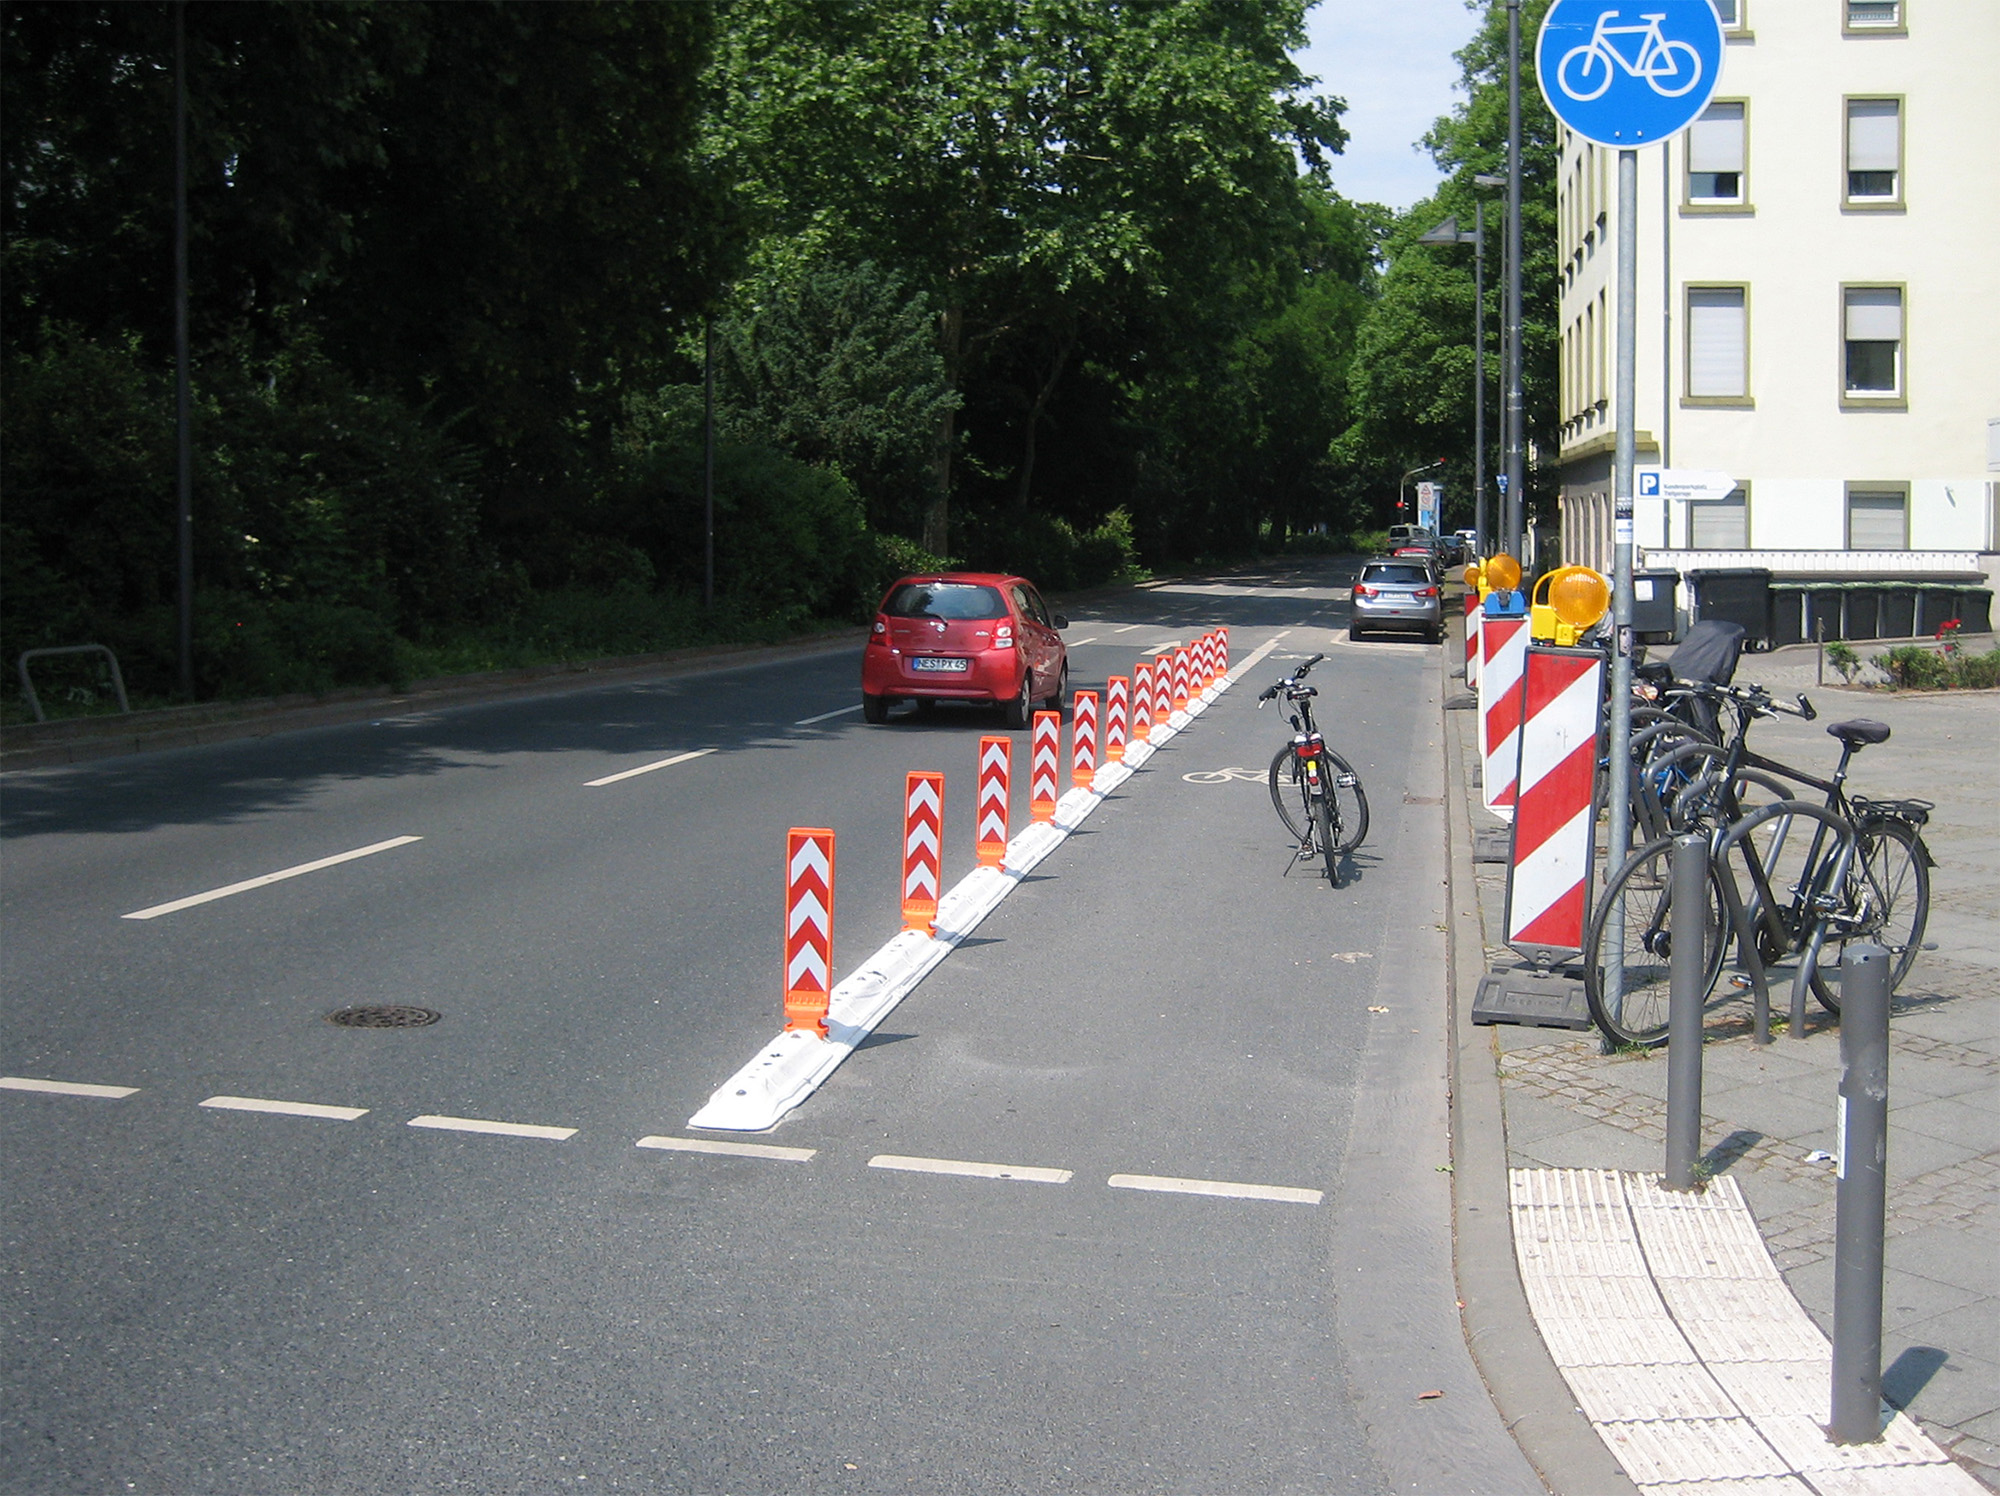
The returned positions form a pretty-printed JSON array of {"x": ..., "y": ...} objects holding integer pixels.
[{"x": 1629, "y": 74}]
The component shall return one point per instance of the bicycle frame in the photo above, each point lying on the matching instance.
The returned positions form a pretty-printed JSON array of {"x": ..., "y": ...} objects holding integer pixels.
[{"x": 1821, "y": 874}]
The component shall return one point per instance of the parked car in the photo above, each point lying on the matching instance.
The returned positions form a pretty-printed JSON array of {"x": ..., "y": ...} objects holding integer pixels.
[
  {"x": 1396, "y": 593},
  {"x": 1451, "y": 549},
  {"x": 978, "y": 637}
]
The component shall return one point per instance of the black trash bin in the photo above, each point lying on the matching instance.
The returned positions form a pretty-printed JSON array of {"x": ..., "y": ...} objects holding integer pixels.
[
  {"x": 1739, "y": 595},
  {"x": 1653, "y": 605},
  {"x": 1899, "y": 613},
  {"x": 1788, "y": 616}
]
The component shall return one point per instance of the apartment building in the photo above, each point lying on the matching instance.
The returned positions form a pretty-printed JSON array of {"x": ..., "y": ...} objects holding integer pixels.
[{"x": 1819, "y": 305}]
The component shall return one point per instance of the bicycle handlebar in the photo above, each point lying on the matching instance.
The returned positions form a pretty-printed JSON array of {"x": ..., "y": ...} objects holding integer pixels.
[
  {"x": 1750, "y": 698},
  {"x": 1270, "y": 693}
]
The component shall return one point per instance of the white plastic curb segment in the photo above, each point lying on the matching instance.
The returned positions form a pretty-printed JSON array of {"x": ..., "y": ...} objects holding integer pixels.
[{"x": 795, "y": 1064}]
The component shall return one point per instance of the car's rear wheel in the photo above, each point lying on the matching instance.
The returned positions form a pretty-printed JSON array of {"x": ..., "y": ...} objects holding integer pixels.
[
  {"x": 1055, "y": 702},
  {"x": 1021, "y": 709},
  {"x": 874, "y": 708}
]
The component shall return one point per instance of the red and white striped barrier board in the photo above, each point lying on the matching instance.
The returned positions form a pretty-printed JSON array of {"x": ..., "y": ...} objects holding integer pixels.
[
  {"x": 1163, "y": 688},
  {"x": 1142, "y": 701},
  {"x": 996, "y": 771},
  {"x": 1548, "y": 876},
  {"x": 1473, "y": 614},
  {"x": 1117, "y": 711},
  {"x": 1044, "y": 757},
  {"x": 1224, "y": 636},
  {"x": 1504, "y": 647},
  {"x": 1181, "y": 672},
  {"x": 808, "y": 927},
  {"x": 1083, "y": 739},
  {"x": 923, "y": 847}
]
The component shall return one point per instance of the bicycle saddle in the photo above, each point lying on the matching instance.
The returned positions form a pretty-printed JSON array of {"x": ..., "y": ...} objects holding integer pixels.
[{"x": 1860, "y": 730}]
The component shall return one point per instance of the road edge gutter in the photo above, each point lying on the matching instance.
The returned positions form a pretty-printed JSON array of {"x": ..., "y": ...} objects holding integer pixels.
[{"x": 1535, "y": 1403}]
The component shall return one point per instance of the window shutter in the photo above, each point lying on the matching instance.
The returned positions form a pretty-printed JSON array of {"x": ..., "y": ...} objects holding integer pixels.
[
  {"x": 1715, "y": 141},
  {"x": 1874, "y": 135},
  {"x": 1720, "y": 524},
  {"x": 1875, "y": 315},
  {"x": 1875, "y": 521},
  {"x": 1717, "y": 342}
]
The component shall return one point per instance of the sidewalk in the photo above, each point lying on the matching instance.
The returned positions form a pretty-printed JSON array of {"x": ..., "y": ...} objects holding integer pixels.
[{"x": 1572, "y": 1112}]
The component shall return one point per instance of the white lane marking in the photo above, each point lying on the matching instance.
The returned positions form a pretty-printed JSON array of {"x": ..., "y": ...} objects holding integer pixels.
[
  {"x": 503, "y": 1129},
  {"x": 665, "y": 763},
  {"x": 1129, "y": 628},
  {"x": 287, "y": 1108},
  {"x": 1160, "y": 649},
  {"x": 976, "y": 1171},
  {"x": 278, "y": 877},
  {"x": 732, "y": 1150},
  {"x": 1216, "y": 1187},
  {"x": 64, "y": 1087},
  {"x": 827, "y": 716},
  {"x": 1074, "y": 643}
]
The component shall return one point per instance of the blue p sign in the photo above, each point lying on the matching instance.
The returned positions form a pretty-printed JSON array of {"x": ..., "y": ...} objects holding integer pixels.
[{"x": 1630, "y": 73}]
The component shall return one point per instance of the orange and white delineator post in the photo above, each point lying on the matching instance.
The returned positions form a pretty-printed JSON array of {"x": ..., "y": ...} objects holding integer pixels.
[
  {"x": 996, "y": 770},
  {"x": 1142, "y": 701},
  {"x": 1223, "y": 635},
  {"x": 1083, "y": 739},
  {"x": 1163, "y": 689},
  {"x": 1117, "y": 710},
  {"x": 1180, "y": 679},
  {"x": 1548, "y": 872},
  {"x": 923, "y": 848},
  {"x": 1207, "y": 660},
  {"x": 1044, "y": 761},
  {"x": 808, "y": 928},
  {"x": 1473, "y": 614}
]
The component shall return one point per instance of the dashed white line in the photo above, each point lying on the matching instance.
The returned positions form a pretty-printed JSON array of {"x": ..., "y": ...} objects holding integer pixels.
[
  {"x": 732, "y": 1150},
  {"x": 1129, "y": 628},
  {"x": 64, "y": 1087},
  {"x": 1024, "y": 1172},
  {"x": 827, "y": 716},
  {"x": 278, "y": 877},
  {"x": 502, "y": 1129},
  {"x": 664, "y": 763},
  {"x": 1073, "y": 643},
  {"x": 1223, "y": 1187},
  {"x": 1160, "y": 649},
  {"x": 286, "y": 1108}
]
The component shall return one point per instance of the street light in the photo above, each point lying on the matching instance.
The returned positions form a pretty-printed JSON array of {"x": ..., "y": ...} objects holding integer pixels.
[
  {"x": 1486, "y": 179},
  {"x": 1447, "y": 233},
  {"x": 1403, "y": 484},
  {"x": 1511, "y": 501}
]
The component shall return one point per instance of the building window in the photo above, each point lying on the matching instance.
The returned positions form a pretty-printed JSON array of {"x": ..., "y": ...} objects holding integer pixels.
[
  {"x": 1730, "y": 13},
  {"x": 1718, "y": 343},
  {"x": 1878, "y": 519},
  {"x": 1874, "y": 15},
  {"x": 1715, "y": 155},
  {"x": 1873, "y": 342},
  {"x": 1720, "y": 524},
  {"x": 1874, "y": 151}
]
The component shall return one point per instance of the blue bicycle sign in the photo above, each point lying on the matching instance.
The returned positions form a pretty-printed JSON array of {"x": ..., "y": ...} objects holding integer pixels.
[{"x": 1629, "y": 74}]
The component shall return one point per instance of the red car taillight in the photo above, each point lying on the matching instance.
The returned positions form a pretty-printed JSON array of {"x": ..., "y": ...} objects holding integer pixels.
[
  {"x": 1361, "y": 591},
  {"x": 1427, "y": 592}
]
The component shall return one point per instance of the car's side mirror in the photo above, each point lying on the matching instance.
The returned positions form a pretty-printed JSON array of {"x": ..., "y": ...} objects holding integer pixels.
[{"x": 1061, "y": 622}]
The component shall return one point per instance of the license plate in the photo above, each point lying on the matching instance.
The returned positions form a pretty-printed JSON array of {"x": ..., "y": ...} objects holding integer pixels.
[{"x": 930, "y": 663}]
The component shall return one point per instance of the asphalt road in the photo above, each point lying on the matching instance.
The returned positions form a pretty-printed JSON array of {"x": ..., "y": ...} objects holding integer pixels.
[{"x": 200, "y": 1299}]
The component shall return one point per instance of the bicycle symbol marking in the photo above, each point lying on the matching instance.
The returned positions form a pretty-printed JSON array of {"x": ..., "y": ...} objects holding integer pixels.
[
  {"x": 1670, "y": 69},
  {"x": 1225, "y": 776}
]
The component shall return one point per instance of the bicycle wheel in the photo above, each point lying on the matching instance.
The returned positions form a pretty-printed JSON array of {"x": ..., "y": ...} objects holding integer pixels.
[
  {"x": 1888, "y": 897},
  {"x": 1288, "y": 792},
  {"x": 1329, "y": 837},
  {"x": 1629, "y": 946},
  {"x": 1350, "y": 801},
  {"x": 1585, "y": 84}
]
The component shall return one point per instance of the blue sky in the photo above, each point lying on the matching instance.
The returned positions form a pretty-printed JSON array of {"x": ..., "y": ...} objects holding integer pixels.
[{"x": 1391, "y": 60}]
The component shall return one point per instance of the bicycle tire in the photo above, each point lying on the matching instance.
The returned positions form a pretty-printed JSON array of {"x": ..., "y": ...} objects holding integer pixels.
[
  {"x": 1590, "y": 53},
  {"x": 1892, "y": 874},
  {"x": 1644, "y": 886},
  {"x": 1329, "y": 838},
  {"x": 1289, "y": 799}
]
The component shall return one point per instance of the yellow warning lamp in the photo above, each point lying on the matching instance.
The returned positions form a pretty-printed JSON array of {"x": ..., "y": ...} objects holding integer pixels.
[
  {"x": 1475, "y": 579},
  {"x": 1503, "y": 573},
  {"x": 1566, "y": 603}
]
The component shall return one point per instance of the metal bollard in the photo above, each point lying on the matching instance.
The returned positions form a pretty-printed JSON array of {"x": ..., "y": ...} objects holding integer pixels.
[
  {"x": 1861, "y": 1197},
  {"x": 1684, "y": 1003}
]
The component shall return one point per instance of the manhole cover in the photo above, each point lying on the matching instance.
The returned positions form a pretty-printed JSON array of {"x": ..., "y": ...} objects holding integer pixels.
[{"x": 384, "y": 1017}]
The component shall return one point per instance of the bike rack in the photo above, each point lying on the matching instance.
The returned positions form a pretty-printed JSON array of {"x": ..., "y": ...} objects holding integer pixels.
[
  {"x": 1745, "y": 928},
  {"x": 28, "y": 686}
]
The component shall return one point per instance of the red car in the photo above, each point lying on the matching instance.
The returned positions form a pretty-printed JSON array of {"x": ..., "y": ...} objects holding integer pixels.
[{"x": 965, "y": 636}]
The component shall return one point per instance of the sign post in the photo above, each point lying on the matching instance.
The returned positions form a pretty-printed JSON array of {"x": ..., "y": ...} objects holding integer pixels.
[
  {"x": 1626, "y": 75},
  {"x": 1430, "y": 496}
]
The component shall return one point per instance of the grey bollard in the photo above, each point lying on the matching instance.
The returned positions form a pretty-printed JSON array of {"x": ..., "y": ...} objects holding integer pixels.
[
  {"x": 1861, "y": 1197},
  {"x": 1688, "y": 915}
]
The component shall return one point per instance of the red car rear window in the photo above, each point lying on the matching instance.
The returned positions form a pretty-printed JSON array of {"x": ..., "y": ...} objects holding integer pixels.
[{"x": 945, "y": 600}]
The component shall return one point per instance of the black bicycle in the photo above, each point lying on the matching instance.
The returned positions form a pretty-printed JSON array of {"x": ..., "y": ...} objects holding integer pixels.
[{"x": 1315, "y": 791}]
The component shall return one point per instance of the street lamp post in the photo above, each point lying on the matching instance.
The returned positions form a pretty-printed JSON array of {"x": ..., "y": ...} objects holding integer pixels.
[
  {"x": 1448, "y": 233},
  {"x": 1403, "y": 484},
  {"x": 1511, "y": 501}
]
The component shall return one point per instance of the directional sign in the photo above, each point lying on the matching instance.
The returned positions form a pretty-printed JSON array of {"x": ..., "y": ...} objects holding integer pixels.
[
  {"x": 1683, "y": 483},
  {"x": 1632, "y": 73}
]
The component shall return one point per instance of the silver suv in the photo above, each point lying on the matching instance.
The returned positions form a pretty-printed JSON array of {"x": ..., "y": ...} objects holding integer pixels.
[{"x": 1396, "y": 594}]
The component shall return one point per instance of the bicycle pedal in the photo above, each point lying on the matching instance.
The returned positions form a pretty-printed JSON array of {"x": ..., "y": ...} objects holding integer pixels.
[
  {"x": 1346, "y": 781},
  {"x": 1740, "y": 981}
]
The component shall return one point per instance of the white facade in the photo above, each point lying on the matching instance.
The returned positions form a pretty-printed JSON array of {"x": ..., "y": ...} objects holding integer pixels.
[{"x": 1819, "y": 298}]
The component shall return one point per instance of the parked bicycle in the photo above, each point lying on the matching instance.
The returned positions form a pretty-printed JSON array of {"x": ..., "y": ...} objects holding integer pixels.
[
  {"x": 1315, "y": 791},
  {"x": 1819, "y": 874}
]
